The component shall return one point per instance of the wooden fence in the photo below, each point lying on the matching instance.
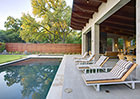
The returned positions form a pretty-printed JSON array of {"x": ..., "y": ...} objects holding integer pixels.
[{"x": 43, "y": 48}]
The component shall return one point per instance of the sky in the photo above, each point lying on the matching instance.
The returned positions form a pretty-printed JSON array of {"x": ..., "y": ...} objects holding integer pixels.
[{"x": 15, "y": 8}]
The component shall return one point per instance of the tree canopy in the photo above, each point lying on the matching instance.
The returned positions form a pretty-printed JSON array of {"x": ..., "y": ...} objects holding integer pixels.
[
  {"x": 54, "y": 24},
  {"x": 11, "y": 34},
  {"x": 50, "y": 23}
]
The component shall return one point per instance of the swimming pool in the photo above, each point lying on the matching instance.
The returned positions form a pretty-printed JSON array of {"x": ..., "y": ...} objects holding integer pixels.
[{"x": 28, "y": 79}]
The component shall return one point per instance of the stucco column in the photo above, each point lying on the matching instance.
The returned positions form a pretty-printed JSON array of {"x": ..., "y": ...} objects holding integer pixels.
[
  {"x": 83, "y": 43},
  {"x": 138, "y": 37},
  {"x": 95, "y": 33},
  {"x": 115, "y": 44},
  {"x": 124, "y": 45}
]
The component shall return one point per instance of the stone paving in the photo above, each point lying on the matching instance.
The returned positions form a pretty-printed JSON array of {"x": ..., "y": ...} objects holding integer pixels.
[{"x": 75, "y": 88}]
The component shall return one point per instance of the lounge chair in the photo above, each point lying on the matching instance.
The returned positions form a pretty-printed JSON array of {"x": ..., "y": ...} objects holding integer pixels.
[
  {"x": 84, "y": 56},
  {"x": 97, "y": 65},
  {"x": 117, "y": 75},
  {"x": 88, "y": 60}
]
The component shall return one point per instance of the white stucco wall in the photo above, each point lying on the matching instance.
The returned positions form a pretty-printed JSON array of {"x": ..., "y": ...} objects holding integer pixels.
[{"x": 138, "y": 37}]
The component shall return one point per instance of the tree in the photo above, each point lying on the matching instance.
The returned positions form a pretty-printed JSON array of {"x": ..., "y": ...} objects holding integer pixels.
[
  {"x": 3, "y": 36},
  {"x": 13, "y": 26},
  {"x": 54, "y": 24}
]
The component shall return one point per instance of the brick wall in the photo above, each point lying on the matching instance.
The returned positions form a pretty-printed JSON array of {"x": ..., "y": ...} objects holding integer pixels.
[{"x": 44, "y": 48}]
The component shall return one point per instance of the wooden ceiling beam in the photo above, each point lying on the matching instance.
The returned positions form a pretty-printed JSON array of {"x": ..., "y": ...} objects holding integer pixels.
[
  {"x": 85, "y": 7},
  {"x": 76, "y": 20},
  {"x": 79, "y": 8},
  {"x": 77, "y": 23},
  {"x": 76, "y": 27},
  {"x": 126, "y": 14},
  {"x": 116, "y": 20},
  {"x": 117, "y": 26},
  {"x": 120, "y": 23},
  {"x": 100, "y": 1},
  {"x": 118, "y": 30},
  {"x": 120, "y": 17},
  {"x": 82, "y": 20},
  {"x": 81, "y": 12},
  {"x": 103, "y": 1},
  {"x": 82, "y": 15}
]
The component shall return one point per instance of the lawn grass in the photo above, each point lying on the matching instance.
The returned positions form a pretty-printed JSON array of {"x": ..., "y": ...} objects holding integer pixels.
[{"x": 8, "y": 58}]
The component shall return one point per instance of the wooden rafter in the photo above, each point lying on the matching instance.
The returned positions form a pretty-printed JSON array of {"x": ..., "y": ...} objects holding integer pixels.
[
  {"x": 78, "y": 24},
  {"x": 79, "y": 8},
  {"x": 85, "y": 7},
  {"x": 119, "y": 32},
  {"x": 103, "y": 0},
  {"x": 100, "y": 1},
  {"x": 76, "y": 28},
  {"x": 118, "y": 29},
  {"x": 82, "y": 20},
  {"x": 82, "y": 15},
  {"x": 79, "y": 27},
  {"x": 118, "y": 26},
  {"x": 120, "y": 23},
  {"x": 120, "y": 17},
  {"x": 78, "y": 20},
  {"x": 81, "y": 12}
]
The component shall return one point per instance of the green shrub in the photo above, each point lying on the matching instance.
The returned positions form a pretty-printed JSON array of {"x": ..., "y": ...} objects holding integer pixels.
[
  {"x": 2, "y": 47},
  {"x": 10, "y": 53}
]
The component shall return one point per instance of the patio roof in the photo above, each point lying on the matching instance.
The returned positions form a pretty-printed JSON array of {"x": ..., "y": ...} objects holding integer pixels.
[
  {"x": 122, "y": 22},
  {"x": 82, "y": 11}
]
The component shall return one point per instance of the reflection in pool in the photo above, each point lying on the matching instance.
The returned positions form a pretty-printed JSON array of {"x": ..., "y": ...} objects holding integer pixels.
[{"x": 29, "y": 79}]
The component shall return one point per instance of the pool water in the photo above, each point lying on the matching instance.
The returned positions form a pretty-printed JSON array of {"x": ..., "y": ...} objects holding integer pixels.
[{"x": 28, "y": 79}]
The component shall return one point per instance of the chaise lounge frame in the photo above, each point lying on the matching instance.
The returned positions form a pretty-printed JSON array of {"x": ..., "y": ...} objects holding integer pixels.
[
  {"x": 129, "y": 83},
  {"x": 96, "y": 68}
]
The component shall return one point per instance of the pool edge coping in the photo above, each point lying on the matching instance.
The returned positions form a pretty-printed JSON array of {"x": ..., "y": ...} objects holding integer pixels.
[
  {"x": 56, "y": 91},
  {"x": 28, "y": 57}
]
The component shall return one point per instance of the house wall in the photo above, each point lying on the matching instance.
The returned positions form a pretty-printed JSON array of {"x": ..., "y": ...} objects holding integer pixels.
[
  {"x": 104, "y": 11},
  {"x": 138, "y": 37},
  {"x": 44, "y": 48}
]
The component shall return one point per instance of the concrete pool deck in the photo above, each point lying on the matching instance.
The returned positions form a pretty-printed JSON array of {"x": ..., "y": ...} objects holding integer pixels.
[{"x": 74, "y": 82}]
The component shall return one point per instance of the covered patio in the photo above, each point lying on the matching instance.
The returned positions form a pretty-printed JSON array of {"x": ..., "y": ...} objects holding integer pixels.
[
  {"x": 99, "y": 20},
  {"x": 103, "y": 20},
  {"x": 97, "y": 24}
]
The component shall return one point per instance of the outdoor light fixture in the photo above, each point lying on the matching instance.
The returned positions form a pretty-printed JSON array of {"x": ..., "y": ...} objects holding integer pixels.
[
  {"x": 116, "y": 45},
  {"x": 87, "y": 1}
]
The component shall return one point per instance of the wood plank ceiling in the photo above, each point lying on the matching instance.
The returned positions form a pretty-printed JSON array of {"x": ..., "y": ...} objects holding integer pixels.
[{"x": 123, "y": 22}]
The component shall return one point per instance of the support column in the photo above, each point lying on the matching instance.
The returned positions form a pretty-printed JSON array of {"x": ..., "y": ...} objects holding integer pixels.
[
  {"x": 115, "y": 44},
  {"x": 83, "y": 43},
  {"x": 138, "y": 37},
  {"x": 124, "y": 44},
  {"x": 95, "y": 33}
]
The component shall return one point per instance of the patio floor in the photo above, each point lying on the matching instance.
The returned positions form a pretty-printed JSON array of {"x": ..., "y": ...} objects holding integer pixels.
[{"x": 74, "y": 81}]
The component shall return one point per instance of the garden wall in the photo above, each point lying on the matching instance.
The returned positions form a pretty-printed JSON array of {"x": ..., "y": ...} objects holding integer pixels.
[{"x": 43, "y": 48}]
